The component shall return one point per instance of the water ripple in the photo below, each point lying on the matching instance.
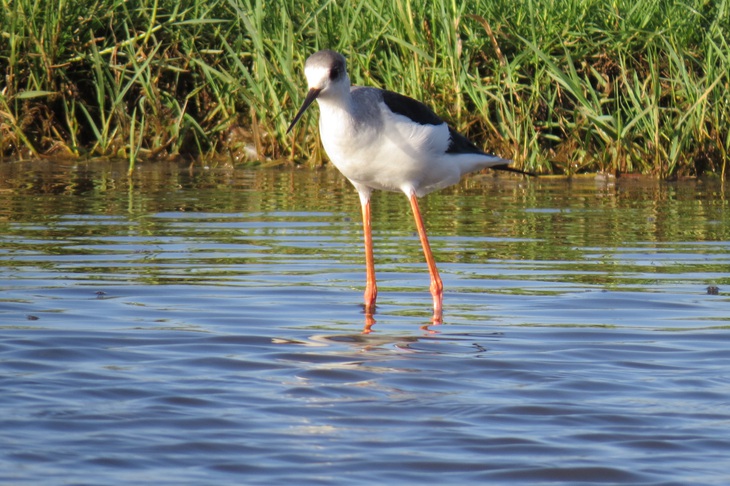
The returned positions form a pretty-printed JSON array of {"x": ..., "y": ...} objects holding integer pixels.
[{"x": 144, "y": 343}]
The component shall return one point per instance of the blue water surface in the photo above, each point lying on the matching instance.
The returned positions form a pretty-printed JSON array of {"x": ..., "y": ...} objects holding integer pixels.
[{"x": 206, "y": 327}]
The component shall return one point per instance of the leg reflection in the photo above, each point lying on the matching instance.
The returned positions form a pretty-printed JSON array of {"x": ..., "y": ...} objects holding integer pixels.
[{"x": 369, "y": 323}]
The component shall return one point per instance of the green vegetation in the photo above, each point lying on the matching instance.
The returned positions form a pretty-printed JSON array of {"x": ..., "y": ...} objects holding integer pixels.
[{"x": 561, "y": 86}]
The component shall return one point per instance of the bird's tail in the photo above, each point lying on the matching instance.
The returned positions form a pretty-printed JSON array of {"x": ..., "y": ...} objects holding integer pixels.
[{"x": 508, "y": 168}]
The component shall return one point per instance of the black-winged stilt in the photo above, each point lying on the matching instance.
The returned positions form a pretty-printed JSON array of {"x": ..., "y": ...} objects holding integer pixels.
[{"x": 384, "y": 140}]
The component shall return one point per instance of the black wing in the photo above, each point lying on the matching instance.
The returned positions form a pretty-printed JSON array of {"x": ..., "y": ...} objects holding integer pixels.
[
  {"x": 415, "y": 110},
  {"x": 423, "y": 115},
  {"x": 459, "y": 144}
]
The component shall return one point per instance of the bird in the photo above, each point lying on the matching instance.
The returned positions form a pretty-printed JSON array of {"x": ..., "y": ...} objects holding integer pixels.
[{"x": 382, "y": 140}]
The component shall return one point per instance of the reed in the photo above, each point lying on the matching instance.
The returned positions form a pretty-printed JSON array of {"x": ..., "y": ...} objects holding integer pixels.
[{"x": 561, "y": 86}]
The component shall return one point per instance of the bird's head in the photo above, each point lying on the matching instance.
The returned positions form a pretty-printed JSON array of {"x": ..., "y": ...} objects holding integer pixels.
[{"x": 326, "y": 74}]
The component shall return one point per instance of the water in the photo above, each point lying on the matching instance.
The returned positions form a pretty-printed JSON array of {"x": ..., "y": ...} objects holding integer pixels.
[{"x": 205, "y": 327}]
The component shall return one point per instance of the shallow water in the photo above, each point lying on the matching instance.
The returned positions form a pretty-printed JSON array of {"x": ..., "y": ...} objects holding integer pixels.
[{"x": 206, "y": 327}]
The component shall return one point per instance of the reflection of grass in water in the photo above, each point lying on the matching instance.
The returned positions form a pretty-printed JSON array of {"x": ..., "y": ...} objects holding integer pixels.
[
  {"x": 302, "y": 228},
  {"x": 570, "y": 326},
  {"x": 629, "y": 86},
  {"x": 694, "y": 329}
]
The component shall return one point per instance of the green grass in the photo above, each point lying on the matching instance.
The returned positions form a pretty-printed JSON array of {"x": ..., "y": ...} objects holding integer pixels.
[{"x": 561, "y": 86}]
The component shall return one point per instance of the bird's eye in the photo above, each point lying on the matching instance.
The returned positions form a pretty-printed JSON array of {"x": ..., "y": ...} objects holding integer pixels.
[{"x": 334, "y": 73}]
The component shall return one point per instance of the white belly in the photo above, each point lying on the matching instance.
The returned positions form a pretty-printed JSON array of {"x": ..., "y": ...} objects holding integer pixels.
[{"x": 391, "y": 154}]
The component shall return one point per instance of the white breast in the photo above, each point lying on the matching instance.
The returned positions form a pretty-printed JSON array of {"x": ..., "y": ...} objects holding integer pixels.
[{"x": 376, "y": 148}]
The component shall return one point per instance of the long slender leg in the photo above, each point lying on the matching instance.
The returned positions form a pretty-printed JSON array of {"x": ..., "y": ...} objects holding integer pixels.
[
  {"x": 437, "y": 287},
  {"x": 371, "y": 289}
]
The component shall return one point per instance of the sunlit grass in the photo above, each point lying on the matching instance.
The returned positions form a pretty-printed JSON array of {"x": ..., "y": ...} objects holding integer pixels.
[{"x": 561, "y": 86}]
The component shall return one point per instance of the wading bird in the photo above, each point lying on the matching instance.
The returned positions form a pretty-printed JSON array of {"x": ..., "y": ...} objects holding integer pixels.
[{"x": 383, "y": 140}]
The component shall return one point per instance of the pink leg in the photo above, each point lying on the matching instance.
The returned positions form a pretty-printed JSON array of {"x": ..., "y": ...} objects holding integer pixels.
[
  {"x": 437, "y": 287},
  {"x": 371, "y": 289}
]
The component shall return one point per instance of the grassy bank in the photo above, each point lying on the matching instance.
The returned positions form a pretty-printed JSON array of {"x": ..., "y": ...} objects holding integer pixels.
[{"x": 561, "y": 86}]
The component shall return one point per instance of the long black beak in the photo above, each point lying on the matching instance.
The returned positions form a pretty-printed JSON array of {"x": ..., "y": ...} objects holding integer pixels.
[{"x": 311, "y": 96}]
